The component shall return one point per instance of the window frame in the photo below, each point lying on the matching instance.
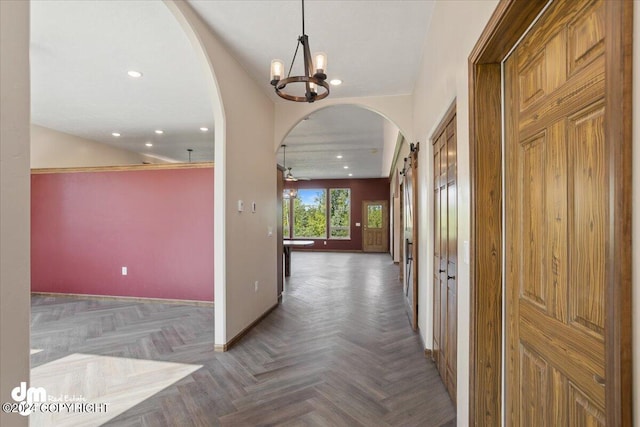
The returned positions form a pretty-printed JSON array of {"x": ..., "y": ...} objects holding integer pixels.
[
  {"x": 286, "y": 200},
  {"x": 293, "y": 215}
]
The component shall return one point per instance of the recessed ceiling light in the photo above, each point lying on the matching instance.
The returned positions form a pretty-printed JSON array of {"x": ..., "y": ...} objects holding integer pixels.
[
  {"x": 159, "y": 132},
  {"x": 116, "y": 134},
  {"x": 148, "y": 144},
  {"x": 203, "y": 129},
  {"x": 350, "y": 174},
  {"x": 335, "y": 82},
  {"x": 339, "y": 156},
  {"x": 135, "y": 74},
  {"x": 346, "y": 167}
]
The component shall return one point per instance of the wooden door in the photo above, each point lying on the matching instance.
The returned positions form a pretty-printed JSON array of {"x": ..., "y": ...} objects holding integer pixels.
[
  {"x": 445, "y": 306},
  {"x": 279, "y": 232},
  {"x": 557, "y": 219},
  {"x": 375, "y": 234},
  {"x": 402, "y": 251}
]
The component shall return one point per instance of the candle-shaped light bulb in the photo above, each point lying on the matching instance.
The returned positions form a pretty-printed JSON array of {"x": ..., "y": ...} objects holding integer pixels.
[
  {"x": 277, "y": 70},
  {"x": 320, "y": 63}
]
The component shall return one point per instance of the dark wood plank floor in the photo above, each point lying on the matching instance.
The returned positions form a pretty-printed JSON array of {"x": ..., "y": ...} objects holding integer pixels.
[{"x": 338, "y": 352}]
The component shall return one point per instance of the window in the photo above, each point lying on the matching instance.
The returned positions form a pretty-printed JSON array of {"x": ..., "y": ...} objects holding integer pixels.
[
  {"x": 339, "y": 213},
  {"x": 374, "y": 216},
  {"x": 310, "y": 214},
  {"x": 286, "y": 214}
]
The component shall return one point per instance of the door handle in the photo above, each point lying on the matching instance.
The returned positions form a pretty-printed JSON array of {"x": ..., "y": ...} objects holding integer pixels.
[
  {"x": 442, "y": 271},
  {"x": 451, "y": 277}
]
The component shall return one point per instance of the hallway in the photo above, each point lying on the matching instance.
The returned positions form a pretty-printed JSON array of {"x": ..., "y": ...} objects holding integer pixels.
[{"x": 338, "y": 351}]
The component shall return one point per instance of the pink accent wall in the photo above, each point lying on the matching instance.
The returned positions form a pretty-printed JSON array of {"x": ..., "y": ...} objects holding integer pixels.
[{"x": 86, "y": 226}]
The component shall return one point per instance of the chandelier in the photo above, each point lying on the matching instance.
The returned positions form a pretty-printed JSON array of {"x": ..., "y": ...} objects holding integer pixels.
[{"x": 314, "y": 73}]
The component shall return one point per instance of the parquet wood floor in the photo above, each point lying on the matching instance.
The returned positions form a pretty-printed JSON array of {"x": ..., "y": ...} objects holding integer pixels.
[{"x": 339, "y": 351}]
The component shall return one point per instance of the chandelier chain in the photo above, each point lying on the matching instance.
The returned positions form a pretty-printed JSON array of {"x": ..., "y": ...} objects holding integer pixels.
[{"x": 303, "y": 33}]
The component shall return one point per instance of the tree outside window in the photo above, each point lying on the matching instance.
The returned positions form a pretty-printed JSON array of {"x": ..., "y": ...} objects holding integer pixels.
[
  {"x": 310, "y": 214},
  {"x": 374, "y": 216},
  {"x": 340, "y": 213},
  {"x": 286, "y": 214}
]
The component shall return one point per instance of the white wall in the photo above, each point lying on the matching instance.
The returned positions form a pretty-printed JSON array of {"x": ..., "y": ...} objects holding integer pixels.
[
  {"x": 53, "y": 149},
  {"x": 454, "y": 30},
  {"x": 245, "y": 170},
  {"x": 14, "y": 202},
  {"x": 390, "y": 137}
]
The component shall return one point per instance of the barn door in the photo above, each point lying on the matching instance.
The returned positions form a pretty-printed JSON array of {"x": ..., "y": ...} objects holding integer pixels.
[{"x": 410, "y": 222}]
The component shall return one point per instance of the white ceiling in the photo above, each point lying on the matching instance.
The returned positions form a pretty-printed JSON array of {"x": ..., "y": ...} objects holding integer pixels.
[
  {"x": 80, "y": 54},
  {"x": 81, "y": 51},
  {"x": 352, "y": 132}
]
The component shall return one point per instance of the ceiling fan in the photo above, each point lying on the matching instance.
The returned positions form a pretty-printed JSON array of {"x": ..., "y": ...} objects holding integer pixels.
[{"x": 288, "y": 176}]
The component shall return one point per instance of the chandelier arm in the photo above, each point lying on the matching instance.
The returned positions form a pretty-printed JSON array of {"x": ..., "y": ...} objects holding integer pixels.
[
  {"x": 294, "y": 59},
  {"x": 308, "y": 64}
]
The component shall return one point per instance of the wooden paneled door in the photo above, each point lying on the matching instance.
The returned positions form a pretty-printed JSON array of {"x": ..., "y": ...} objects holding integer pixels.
[
  {"x": 567, "y": 177},
  {"x": 375, "y": 233},
  {"x": 445, "y": 284},
  {"x": 558, "y": 223},
  {"x": 279, "y": 232}
]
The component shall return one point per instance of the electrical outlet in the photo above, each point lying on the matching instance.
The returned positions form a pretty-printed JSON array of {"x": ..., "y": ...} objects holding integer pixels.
[
  {"x": 256, "y": 286},
  {"x": 124, "y": 271}
]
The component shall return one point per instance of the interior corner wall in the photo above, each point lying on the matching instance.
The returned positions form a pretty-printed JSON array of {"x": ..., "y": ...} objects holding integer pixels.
[
  {"x": 442, "y": 78},
  {"x": 53, "y": 149},
  {"x": 14, "y": 202},
  {"x": 247, "y": 162},
  {"x": 158, "y": 223},
  {"x": 390, "y": 133}
]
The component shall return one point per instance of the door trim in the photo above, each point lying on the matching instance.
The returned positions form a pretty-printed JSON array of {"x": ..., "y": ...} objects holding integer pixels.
[{"x": 507, "y": 24}]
